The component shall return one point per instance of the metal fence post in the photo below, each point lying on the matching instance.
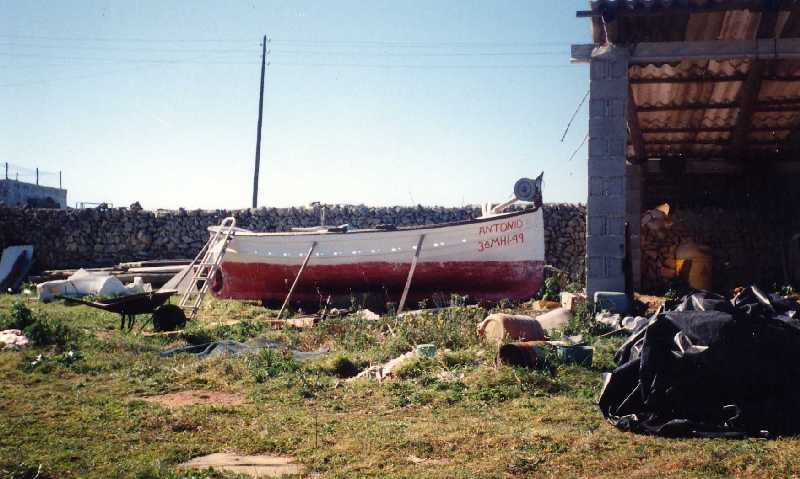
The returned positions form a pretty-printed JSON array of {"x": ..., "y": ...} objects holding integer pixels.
[
  {"x": 59, "y": 180},
  {"x": 37, "y": 175},
  {"x": 6, "y": 170}
]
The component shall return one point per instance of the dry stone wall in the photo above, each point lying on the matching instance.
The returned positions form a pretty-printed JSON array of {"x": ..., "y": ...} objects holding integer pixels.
[{"x": 70, "y": 238}]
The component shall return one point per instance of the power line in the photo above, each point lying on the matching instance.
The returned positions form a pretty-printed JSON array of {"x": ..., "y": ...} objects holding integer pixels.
[
  {"x": 585, "y": 138},
  {"x": 126, "y": 40},
  {"x": 123, "y": 48},
  {"x": 424, "y": 66},
  {"x": 310, "y": 65},
  {"x": 295, "y": 51},
  {"x": 421, "y": 44},
  {"x": 574, "y": 114},
  {"x": 417, "y": 54},
  {"x": 316, "y": 42}
]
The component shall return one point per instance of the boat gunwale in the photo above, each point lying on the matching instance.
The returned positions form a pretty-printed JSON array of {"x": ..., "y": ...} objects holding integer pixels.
[{"x": 512, "y": 214}]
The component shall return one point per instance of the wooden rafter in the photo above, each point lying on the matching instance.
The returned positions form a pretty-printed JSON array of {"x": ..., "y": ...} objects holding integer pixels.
[
  {"x": 725, "y": 143},
  {"x": 751, "y": 87},
  {"x": 668, "y": 52},
  {"x": 752, "y": 5},
  {"x": 707, "y": 129},
  {"x": 748, "y": 96},
  {"x": 711, "y": 79},
  {"x": 634, "y": 132},
  {"x": 784, "y": 105}
]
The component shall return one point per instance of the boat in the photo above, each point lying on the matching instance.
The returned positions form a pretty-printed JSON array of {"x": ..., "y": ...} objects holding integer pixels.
[{"x": 497, "y": 256}]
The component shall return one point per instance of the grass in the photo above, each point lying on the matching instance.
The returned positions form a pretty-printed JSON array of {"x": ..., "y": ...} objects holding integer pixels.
[{"x": 72, "y": 408}]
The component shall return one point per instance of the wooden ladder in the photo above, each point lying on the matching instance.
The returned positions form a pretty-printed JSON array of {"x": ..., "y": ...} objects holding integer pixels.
[{"x": 204, "y": 266}]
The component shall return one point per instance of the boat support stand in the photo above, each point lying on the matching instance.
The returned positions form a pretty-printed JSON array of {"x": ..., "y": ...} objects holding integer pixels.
[
  {"x": 410, "y": 274},
  {"x": 297, "y": 278}
]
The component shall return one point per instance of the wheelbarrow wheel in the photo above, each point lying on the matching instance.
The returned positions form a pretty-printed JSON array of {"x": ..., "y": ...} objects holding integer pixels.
[{"x": 168, "y": 317}]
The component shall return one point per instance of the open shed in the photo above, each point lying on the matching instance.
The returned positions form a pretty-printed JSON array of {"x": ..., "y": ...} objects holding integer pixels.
[{"x": 695, "y": 104}]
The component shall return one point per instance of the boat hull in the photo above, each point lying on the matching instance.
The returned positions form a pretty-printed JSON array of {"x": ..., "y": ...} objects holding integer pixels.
[{"x": 486, "y": 260}]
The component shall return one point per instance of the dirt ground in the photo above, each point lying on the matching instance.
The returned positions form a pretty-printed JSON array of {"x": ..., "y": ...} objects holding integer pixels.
[{"x": 196, "y": 397}]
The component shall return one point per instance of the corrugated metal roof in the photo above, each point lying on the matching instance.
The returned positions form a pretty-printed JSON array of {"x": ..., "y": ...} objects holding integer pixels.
[{"x": 691, "y": 108}]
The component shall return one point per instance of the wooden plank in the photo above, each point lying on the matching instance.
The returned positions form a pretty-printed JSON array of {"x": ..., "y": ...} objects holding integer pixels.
[
  {"x": 410, "y": 274},
  {"x": 669, "y": 52},
  {"x": 691, "y": 106},
  {"x": 696, "y": 79},
  {"x": 748, "y": 95},
  {"x": 297, "y": 279},
  {"x": 711, "y": 79},
  {"x": 724, "y": 143},
  {"x": 706, "y": 129},
  {"x": 789, "y": 104},
  {"x": 634, "y": 132},
  {"x": 752, "y": 5}
]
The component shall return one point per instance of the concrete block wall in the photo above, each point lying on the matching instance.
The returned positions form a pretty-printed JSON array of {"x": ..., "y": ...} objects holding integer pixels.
[
  {"x": 18, "y": 193},
  {"x": 606, "y": 205},
  {"x": 634, "y": 184}
]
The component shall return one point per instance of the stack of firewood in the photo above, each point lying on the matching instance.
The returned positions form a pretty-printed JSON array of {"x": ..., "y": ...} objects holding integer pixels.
[{"x": 661, "y": 237}]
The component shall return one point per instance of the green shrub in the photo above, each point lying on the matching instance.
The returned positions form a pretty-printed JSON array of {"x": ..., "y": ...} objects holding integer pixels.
[
  {"x": 21, "y": 317},
  {"x": 40, "y": 329},
  {"x": 584, "y": 323},
  {"x": 505, "y": 383},
  {"x": 414, "y": 367},
  {"x": 340, "y": 366},
  {"x": 46, "y": 363},
  {"x": 452, "y": 328},
  {"x": 454, "y": 359},
  {"x": 271, "y": 363}
]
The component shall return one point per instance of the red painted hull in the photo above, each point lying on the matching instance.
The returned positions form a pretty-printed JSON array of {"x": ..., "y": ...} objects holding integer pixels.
[{"x": 481, "y": 281}]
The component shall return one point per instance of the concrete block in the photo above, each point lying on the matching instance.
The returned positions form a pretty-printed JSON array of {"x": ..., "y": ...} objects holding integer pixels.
[
  {"x": 597, "y": 186},
  {"x": 615, "y": 225},
  {"x": 598, "y": 70},
  {"x": 606, "y": 205},
  {"x": 616, "y": 109},
  {"x": 596, "y": 267},
  {"x": 607, "y": 166},
  {"x": 597, "y": 225},
  {"x": 608, "y": 89},
  {"x": 598, "y": 147},
  {"x": 619, "y": 68},
  {"x": 613, "y": 185},
  {"x": 612, "y": 301},
  {"x": 615, "y": 267},
  {"x": 612, "y": 246},
  {"x": 617, "y": 144},
  {"x": 597, "y": 108},
  {"x": 604, "y": 284}
]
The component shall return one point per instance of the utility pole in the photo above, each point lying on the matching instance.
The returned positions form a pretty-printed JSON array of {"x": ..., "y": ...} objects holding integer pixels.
[{"x": 260, "y": 115}]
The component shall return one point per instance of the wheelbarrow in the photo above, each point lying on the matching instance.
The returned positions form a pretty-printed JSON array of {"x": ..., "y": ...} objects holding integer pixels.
[{"x": 166, "y": 317}]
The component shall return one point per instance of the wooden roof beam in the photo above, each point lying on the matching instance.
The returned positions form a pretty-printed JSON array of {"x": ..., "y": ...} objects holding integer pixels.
[
  {"x": 622, "y": 11},
  {"x": 748, "y": 94},
  {"x": 671, "y": 52},
  {"x": 787, "y": 105},
  {"x": 708, "y": 129},
  {"x": 634, "y": 132},
  {"x": 706, "y": 79},
  {"x": 724, "y": 143}
]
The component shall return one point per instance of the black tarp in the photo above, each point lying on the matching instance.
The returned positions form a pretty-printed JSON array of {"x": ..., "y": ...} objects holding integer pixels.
[{"x": 710, "y": 367}]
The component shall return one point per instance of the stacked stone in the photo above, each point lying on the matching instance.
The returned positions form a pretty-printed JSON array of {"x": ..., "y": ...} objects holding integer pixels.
[
  {"x": 71, "y": 238},
  {"x": 745, "y": 246},
  {"x": 565, "y": 238}
]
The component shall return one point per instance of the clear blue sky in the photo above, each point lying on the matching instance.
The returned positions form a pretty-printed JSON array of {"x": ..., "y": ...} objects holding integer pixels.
[{"x": 375, "y": 102}]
